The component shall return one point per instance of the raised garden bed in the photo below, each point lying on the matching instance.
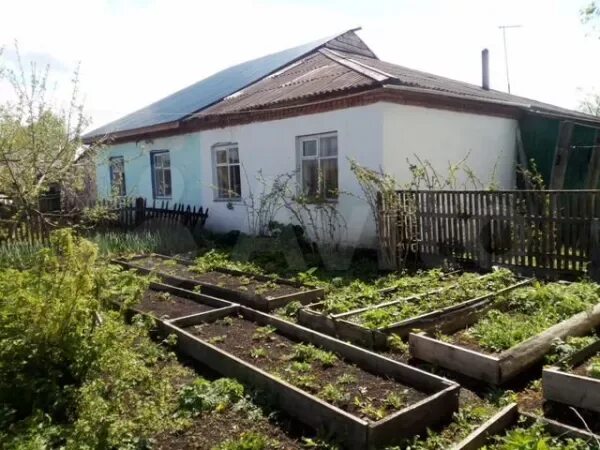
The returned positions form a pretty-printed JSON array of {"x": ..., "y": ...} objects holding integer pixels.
[
  {"x": 575, "y": 381},
  {"x": 321, "y": 316},
  {"x": 257, "y": 291},
  {"x": 510, "y": 430},
  {"x": 371, "y": 326},
  {"x": 362, "y": 398},
  {"x": 508, "y": 337}
]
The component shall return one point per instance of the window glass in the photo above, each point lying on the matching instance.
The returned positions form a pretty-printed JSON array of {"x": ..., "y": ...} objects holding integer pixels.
[
  {"x": 221, "y": 156},
  {"x": 117, "y": 175},
  {"x": 233, "y": 155},
  {"x": 309, "y": 148},
  {"x": 161, "y": 174},
  {"x": 319, "y": 165},
  {"x": 310, "y": 177},
  {"x": 328, "y": 146},
  {"x": 329, "y": 170},
  {"x": 227, "y": 172}
]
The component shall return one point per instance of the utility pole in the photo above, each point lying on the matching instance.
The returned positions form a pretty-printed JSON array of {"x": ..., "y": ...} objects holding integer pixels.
[{"x": 504, "y": 28}]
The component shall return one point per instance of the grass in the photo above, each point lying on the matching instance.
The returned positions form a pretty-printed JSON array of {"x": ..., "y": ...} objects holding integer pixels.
[
  {"x": 468, "y": 286},
  {"x": 535, "y": 437},
  {"x": 531, "y": 310},
  {"x": 358, "y": 293}
]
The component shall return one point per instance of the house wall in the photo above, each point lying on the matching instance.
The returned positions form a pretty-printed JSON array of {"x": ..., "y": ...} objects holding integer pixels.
[
  {"x": 271, "y": 147},
  {"x": 378, "y": 135},
  {"x": 442, "y": 137},
  {"x": 185, "y": 167}
]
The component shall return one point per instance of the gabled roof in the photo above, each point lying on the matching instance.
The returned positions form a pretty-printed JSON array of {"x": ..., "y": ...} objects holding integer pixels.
[
  {"x": 206, "y": 92},
  {"x": 330, "y": 71},
  {"x": 329, "y": 67}
]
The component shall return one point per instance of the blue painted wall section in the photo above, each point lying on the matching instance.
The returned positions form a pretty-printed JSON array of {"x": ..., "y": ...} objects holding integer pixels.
[{"x": 185, "y": 153}]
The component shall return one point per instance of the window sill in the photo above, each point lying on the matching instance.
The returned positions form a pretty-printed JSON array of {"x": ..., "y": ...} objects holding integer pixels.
[{"x": 227, "y": 200}]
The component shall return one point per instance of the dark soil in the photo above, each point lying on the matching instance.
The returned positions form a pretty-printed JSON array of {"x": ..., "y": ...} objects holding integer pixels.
[
  {"x": 210, "y": 430},
  {"x": 166, "y": 305},
  {"x": 238, "y": 338},
  {"x": 244, "y": 284},
  {"x": 582, "y": 369}
]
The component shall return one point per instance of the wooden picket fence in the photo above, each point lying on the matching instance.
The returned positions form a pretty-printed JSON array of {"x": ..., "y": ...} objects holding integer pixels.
[
  {"x": 135, "y": 213},
  {"x": 546, "y": 233},
  {"x": 124, "y": 214}
]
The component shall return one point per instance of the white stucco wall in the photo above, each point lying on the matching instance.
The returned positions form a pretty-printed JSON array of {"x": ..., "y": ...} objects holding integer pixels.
[
  {"x": 379, "y": 135},
  {"x": 442, "y": 137},
  {"x": 271, "y": 146}
]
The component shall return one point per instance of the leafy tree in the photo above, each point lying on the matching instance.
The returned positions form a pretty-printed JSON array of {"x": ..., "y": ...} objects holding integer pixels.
[
  {"x": 590, "y": 14},
  {"x": 591, "y": 104},
  {"x": 39, "y": 141}
]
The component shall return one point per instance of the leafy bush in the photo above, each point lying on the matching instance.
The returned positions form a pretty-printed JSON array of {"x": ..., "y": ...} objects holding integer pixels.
[
  {"x": 215, "y": 259},
  {"x": 71, "y": 372},
  {"x": 531, "y": 310},
  {"x": 536, "y": 438},
  {"x": 204, "y": 396}
]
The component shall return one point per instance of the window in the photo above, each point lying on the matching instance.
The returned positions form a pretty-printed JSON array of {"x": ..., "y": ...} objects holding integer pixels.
[
  {"x": 116, "y": 167},
  {"x": 227, "y": 171},
  {"x": 160, "y": 162},
  {"x": 318, "y": 164}
]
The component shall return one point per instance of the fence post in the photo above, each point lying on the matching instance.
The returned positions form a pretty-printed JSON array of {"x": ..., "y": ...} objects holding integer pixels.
[
  {"x": 594, "y": 269},
  {"x": 140, "y": 212}
]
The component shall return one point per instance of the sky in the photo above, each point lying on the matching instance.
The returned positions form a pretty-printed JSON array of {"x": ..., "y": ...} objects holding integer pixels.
[{"x": 133, "y": 52}]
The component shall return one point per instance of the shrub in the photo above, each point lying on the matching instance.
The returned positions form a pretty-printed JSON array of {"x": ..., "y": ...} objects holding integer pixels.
[
  {"x": 72, "y": 373},
  {"x": 203, "y": 396}
]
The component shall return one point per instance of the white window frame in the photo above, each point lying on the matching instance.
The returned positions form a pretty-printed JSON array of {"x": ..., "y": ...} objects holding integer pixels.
[
  {"x": 227, "y": 147},
  {"x": 161, "y": 169},
  {"x": 300, "y": 140}
]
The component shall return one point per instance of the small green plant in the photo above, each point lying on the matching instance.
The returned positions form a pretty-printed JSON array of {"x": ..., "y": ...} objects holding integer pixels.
[
  {"x": 247, "y": 441},
  {"x": 258, "y": 352},
  {"x": 593, "y": 368},
  {"x": 264, "y": 333},
  {"x": 164, "y": 296},
  {"x": 300, "y": 367},
  {"x": 396, "y": 344},
  {"x": 205, "y": 396},
  {"x": 217, "y": 339},
  {"x": 332, "y": 394},
  {"x": 309, "y": 353},
  {"x": 346, "y": 378},
  {"x": 226, "y": 321},
  {"x": 395, "y": 401}
]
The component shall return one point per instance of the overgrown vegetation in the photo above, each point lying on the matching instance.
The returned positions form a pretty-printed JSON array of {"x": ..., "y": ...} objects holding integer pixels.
[
  {"x": 537, "y": 438},
  {"x": 72, "y": 373},
  {"x": 467, "y": 286},
  {"x": 531, "y": 310},
  {"x": 359, "y": 294}
]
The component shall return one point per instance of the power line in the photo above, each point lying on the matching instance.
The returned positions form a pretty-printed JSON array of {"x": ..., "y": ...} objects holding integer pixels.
[{"x": 504, "y": 28}]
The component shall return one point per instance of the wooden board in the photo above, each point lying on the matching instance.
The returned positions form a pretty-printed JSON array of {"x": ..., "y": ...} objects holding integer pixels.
[
  {"x": 356, "y": 433},
  {"x": 508, "y": 417},
  {"x": 570, "y": 389},
  {"x": 500, "y": 368},
  {"x": 256, "y": 301}
]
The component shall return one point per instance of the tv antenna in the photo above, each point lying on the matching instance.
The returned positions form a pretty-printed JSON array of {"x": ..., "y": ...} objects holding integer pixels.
[{"x": 504, "y": 28}]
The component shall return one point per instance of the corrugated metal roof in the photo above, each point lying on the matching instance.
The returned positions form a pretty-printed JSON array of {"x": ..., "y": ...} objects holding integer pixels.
[
  {"x": 212, "y": 89},
  {"x": 313, "y": 75},
  {"x": 332, "y": 70},
  {"x": 403, "y": 76}
]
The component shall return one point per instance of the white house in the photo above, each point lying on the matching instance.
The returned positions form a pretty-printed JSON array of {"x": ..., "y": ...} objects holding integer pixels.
[{"x": 308, "y": 109}]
